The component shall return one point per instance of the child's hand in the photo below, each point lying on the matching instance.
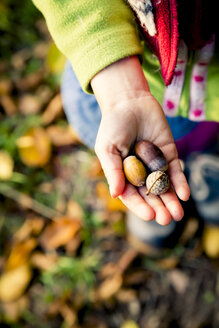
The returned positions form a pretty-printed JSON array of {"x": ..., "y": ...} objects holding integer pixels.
[{"x": 130, "y": 113}]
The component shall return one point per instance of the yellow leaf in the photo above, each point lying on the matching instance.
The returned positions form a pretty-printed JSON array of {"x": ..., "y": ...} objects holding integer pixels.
[
  {"x": 34, "y": 147},
  {"x": 14, "y": 282},
  {"x": 6, "y": 165},
  {"x": 60, "y": 232},
  {"x": 129, "y": 324},
  {"x": 210, "y": 241},
  {"x": 20, "y": 253},
  {"x": 112, "y": 204}
]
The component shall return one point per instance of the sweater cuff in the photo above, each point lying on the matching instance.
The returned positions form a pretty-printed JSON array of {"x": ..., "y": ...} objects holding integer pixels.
[{"x": 114, "y": 46}]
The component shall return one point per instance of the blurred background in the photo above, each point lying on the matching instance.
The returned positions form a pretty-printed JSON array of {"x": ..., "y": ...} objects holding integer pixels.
[{"x": 65, "y": 260}]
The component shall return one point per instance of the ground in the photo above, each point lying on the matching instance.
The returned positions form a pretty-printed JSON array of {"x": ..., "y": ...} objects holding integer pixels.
[{"x": 65, "y": 255}]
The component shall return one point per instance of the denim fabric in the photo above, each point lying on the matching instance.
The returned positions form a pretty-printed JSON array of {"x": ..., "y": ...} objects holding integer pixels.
[{"x": 81, "y": 109}]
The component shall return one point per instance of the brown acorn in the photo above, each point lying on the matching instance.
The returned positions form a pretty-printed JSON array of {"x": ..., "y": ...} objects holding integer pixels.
[
  {"x": 134, "y": 170},
  {"x": 151, "y": 155},
  {"x": 157, "y": 183}
]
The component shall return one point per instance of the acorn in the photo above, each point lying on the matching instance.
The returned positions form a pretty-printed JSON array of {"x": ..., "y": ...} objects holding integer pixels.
[
  {"x": 157, "y": 183},
  {"x": 134, "y": 170},
  {"x": 151, "y": 156}
]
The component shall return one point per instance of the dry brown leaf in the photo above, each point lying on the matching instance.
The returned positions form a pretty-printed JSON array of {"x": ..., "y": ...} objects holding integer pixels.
[
  {"x": 168, "y": 262},
  {"x": 8, "y": 104},
  {"x": 33, "y": 226},
  {"x": 29, "y": 104},
  {"x": 179, "y": 280},
  {"x": 19, "y": 58},
  {"x": 107, "y": 270},
  {"x": 72, "y": 246},
  {"x": 53, "y": 110},
  {"x": 210, "y": 241},
  {"x": 40, "y": 50},
  {"x": 43, "y": 261},
  {"x": 189, "y": 231},
  {"x": 6, "y": 165},
  {"x": 95, "y": 171},
  {"x": 5, "y": 86},
  {"x": 14, "y": 282},
  {"x": 30, "y": 81},
  {"x": 20, "y": 253},
  {"x": 112, "y": 204},
  {"x": 126, "y": 259},
  {"x": 69, "y": 315},
  {"x": 34, "y": 147},
  {"x": 60, "y": 232},
  {"x": 126, "y": 295},
  {"x": 74, "y": 210},
  {"x": 62, "y": 136},
  {"x": 13, "y": 310},
  {"x": 109, "y": 287}
]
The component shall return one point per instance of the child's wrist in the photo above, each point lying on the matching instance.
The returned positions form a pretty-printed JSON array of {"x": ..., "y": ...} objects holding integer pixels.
[{"x": 120, "y": 82}]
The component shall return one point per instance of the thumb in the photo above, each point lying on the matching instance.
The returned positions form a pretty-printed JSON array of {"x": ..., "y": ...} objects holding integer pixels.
[{"x": 111, "y": 163}]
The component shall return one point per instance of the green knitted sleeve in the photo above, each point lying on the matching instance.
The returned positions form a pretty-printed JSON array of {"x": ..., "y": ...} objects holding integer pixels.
[{"x": 91, "y": 33}]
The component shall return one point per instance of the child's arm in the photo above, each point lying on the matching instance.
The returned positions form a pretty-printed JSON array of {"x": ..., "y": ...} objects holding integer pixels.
[{"x": 130, "y": 113}]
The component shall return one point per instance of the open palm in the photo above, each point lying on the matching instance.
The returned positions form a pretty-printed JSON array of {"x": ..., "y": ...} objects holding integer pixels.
[{"x": 140, "y": 118}]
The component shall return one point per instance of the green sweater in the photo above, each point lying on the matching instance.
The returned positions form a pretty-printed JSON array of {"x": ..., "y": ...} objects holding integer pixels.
[
  {"x": 95, "y": 33},
  {"x": 91, "y": 33}
]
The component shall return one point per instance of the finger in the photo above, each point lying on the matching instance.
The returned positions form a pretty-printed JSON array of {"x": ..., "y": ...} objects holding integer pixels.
[
  {"x": 131, "y": 198},
  {"x": 162, "y": 215},
  {"x": 111, "y": 163},
  {"x": 173, "y": 205},
  {"x": 178, "y": 180}
]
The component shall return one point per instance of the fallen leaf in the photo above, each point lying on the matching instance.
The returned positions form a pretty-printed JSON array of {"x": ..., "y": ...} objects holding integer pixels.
[
  {"x": 68, "y": 314},
  {"x": 31, "y": 226},
  {"x": 40, "y": 50},
  {"x": 109, "y": 287},
  {"x": 30, "y": 81},
  {"x": 34, "y": 147},
  {"x": 60, "y": 232},
  {"x": 95, "y": 170},
  {"x": 107, "y": 270},
  {"x": 20, "y": 253},
  {"x": 126, "y": 259},
  {"x": 129, "y": 324},
  {"x": 8, "y": 104},
  {"x": 18, "y": 59},
  {"x": 189, "y": 231},
  {"x": 62, "y": 136},
  {"x": 168, "y": 262},
  {"x": 53, "y": 110},
  {"x": 42, "y": 261},
  {"x": 14, "y": 282},
  {"x": 29, "y": 104},
  {"x": 112, "y": 204},
  {"x": 13, "y": 310},
  {"x": 44, "y": 93},
  {"x": 126, "y": 295},
  {"x": 74, "y": 210},
  {"x": 5, "y": 86},
  {"x": 6, "y": 165},
  {"x": 179, "y": 280},
  {"x": 210, "y": 241}
]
